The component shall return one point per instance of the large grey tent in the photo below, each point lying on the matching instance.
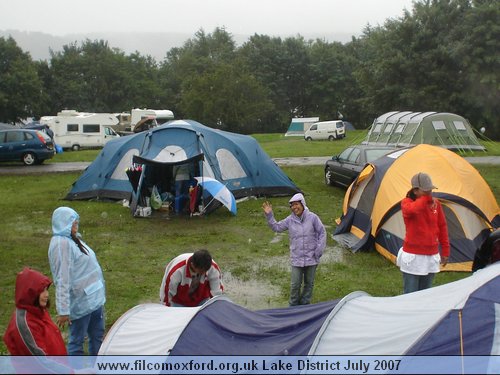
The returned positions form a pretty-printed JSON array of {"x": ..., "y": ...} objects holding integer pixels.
[{"x": 401, "y": 129}]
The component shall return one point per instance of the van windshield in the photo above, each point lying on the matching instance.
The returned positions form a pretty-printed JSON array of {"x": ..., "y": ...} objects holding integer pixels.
[{"x": 109, "y": 131}]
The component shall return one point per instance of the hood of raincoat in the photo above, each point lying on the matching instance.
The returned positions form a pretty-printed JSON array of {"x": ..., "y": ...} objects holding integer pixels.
[
  {"x": 29, "y": 285},
  {"x": 62, "y": 221},
  {"x": 299, "y": 198}
]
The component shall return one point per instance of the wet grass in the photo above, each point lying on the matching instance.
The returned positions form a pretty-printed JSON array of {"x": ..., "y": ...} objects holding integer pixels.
[{"x": 133, "y": 252}]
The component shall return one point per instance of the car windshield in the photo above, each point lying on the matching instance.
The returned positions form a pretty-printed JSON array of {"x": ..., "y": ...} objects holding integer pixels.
[
  {"x": 345, "y": 154},
  {"x": 374, "y": 154}
]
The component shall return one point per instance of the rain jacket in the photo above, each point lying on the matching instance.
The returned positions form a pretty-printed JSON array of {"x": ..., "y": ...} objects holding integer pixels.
[
  {"x": 31, "y": 331},
  {"x": 78, "y": 277},
  {"x": 426, "y": 228},
  {"x": 177, "y": 280},
  {"x": 306, "y": 233}
]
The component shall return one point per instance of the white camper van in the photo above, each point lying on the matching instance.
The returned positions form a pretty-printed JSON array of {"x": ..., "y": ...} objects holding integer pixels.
[
  {"x": 161, "y": 115},
  {"x": 325, "y": 130},
  {"x": 75, "y": 130}
]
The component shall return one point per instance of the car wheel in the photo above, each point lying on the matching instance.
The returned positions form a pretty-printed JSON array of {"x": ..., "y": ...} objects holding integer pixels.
[
  {"x": 75, "y": 147},
  {"x": 29, "y": 158},
  {"x": 308, "y": 139},
  {"x": 331, "y": 138},
  {"x": 328, "y": 177}
]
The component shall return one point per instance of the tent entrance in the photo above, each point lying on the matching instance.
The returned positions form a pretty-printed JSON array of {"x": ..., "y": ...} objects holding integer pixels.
[{"x": 168, "y": 187}]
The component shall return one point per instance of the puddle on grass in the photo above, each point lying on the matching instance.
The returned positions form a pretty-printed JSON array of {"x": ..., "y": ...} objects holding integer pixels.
[
  {"x": 251, "y": 294},
  {"x": 256, "y": 294}
]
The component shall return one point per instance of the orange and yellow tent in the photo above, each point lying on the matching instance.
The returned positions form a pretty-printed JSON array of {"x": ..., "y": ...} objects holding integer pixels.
[{"x": 372, "y": 213}]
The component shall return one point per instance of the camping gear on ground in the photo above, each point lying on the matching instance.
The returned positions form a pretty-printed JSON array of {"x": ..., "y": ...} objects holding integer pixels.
[
  {"x": 218, "y": 191},
  {"x": 452, "y": 319},
  {"x": 156, "y": 200},
  {"x": 195, "y": 208},
  {"x": 402, "y": 129},
  {"x": 236, "y": 160},
  {"x": 372, "y": 204}
]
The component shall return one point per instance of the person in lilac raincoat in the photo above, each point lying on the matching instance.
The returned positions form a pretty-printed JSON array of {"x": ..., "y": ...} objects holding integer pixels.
[{"x": 307, "y": 237}]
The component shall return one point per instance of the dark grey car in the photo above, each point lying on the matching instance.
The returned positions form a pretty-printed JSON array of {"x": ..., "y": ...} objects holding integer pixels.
[{"x": 344, "y": 168}]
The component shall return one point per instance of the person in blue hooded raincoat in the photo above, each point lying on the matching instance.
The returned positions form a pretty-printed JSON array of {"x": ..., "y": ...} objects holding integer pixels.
[
  {"x": 79, "y": 282},
  {"x": 307, "y": 236}
]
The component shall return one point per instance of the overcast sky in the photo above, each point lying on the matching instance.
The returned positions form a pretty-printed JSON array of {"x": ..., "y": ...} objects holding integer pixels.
[{"x": 270, "y": 17}]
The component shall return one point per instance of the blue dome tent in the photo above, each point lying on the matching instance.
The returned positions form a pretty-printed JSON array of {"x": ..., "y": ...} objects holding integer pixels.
[{"x": 235, "y": 160}]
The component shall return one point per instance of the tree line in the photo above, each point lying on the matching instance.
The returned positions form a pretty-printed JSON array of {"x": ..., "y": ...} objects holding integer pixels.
[{"x": 443, "y": 55}]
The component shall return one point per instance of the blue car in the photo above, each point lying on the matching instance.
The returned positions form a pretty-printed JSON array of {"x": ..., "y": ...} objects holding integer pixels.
[{"x": 29, "y": 146}]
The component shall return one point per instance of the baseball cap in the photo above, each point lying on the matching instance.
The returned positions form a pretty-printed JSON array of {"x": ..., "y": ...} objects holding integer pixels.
[{"x": 422, "y": 181}]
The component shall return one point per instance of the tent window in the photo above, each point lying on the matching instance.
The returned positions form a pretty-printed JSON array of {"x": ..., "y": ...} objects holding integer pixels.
[
  {"x": 230, "y": 167},
  {"x": 377, "y": 128},
  {"x": 400, "y": 128},
  {"x": 171, "y": 154},
  {"x": 439, "y": 125},
  {"x": 459, "y": 125},
  {"x": 119, "y": 172},
  {"x": 388, "y": 128}
]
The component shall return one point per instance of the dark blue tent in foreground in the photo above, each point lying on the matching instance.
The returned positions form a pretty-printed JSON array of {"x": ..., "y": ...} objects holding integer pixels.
[
  {"x": 236, "y": 160},
  {"x": 459, "y": 318}
]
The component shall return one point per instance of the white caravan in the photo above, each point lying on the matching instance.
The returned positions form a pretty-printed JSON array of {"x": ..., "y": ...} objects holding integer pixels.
[
  {"x": 161, "y": 115},
  {"x": 75, "y": 130},
  {"x": 325, "y": 130}
]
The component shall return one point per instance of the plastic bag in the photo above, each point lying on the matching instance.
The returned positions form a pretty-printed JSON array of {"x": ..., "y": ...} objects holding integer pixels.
[{"x": 156, "y": 200}]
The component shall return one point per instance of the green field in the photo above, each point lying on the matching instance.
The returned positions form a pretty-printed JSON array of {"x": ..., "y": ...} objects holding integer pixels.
[{"x": 133, "y": 252}]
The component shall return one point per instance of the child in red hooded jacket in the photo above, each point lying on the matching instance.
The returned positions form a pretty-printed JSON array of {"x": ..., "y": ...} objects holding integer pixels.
[{"x": 31, "y": 330}]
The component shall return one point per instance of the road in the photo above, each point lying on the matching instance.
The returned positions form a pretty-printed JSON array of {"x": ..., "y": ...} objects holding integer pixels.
[{"x": 19, "y": 169}]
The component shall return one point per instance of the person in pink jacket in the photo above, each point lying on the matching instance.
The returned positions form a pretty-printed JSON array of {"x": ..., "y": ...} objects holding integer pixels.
[
  {"x": 426, "y": 245},
  {"x": 307, "y": 237}
]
